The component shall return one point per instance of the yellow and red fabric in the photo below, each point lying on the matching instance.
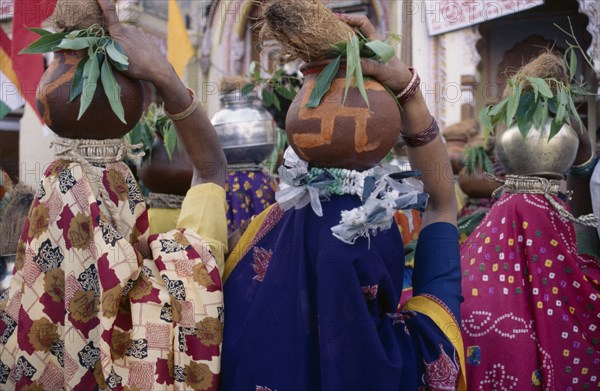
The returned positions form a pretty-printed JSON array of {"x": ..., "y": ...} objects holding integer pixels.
[{"x": 10, "y": 96}]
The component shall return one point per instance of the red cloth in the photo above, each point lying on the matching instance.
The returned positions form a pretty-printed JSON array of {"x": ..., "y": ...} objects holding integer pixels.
[
  {"x": 28, "y": 67},
  {"x": 531, "y": 312},
  {"x": 5, "y": 42}
]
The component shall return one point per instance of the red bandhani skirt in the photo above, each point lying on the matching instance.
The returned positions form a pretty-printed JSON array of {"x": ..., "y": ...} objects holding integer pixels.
[{"x": 531, "y": 314}]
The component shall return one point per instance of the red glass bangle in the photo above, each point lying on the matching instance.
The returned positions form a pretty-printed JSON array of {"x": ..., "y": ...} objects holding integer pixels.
[
  {"x": 411, "y": 88},
  {"x": 422, "y": 138}
]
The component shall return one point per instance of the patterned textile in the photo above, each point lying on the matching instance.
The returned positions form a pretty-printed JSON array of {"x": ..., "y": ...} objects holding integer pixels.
[
  {"x": 409, "y": 228},
  {"x": 476, "y": 205},
  {"x": 306, "y": 311},
  {"x": 97, "y": 304},
  {"x": 531, "y": 312},
  {"x": 5, "y": 188},
  {"x": 467, "y": 224},
  {"x": 248, "y": 194}
]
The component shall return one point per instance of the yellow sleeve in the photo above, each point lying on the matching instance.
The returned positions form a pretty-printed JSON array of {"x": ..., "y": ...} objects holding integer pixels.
[
  {"x": 162, "y": 220},
  {"x": 204, "y": 211}
]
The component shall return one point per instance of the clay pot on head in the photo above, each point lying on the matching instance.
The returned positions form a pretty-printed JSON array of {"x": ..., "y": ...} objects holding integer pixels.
[
  {"x": 163, "y": 175},
  {"x": 475, "y": 184},
  {"x": 457, "y": 136},
  {"x": 534, "y": 154},
  {"x": 348, "y": 135},
  {"x": 99, "y": 121},
  {"x": 455, "y": 145}
]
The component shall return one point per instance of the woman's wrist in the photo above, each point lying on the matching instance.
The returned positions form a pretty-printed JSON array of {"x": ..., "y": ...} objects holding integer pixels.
[{"x": 166, "y": 79}]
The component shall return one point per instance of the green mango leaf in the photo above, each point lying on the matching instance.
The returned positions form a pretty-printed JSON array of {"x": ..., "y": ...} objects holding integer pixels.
[
  {"x": 116, "y": 54},
  {"x": 553, "y": 105},
  {"x": 358, "y": 76},
  {"x": 77, "y": 43},
  {"x": 486, "y": 121},
  {"x": 340, "y": 48},
  {"x": 287, "y": 92},
  {"x": 523, "y": 128},
  {"x": 555, "y": 127},
  {"x": 382, "y": 49},
  {"x": 91, "y": 73},
  {"x": 112, "y": 89},
  {"x": 77, "y": 84},
  {"x": 352, "y": 59},
  {"x": 323, "y": 83},
  {"x": 497, "y": 108},
  {"x": 513, "y": 105},
  {"x": 44, "y": 44},
  {"x": 77, "y": 33},
  {"x": 276, "y": 102},
  {"x": 170, "y": 140},
  {"x": 360, "y": 83},
  {"x": 537, "y": 115},
  {"x": 248, "y": 88},
  {"x": 563, "y": 101},
  {"x": 38, "y": 31},
  {"x": 525, "y": 103},
  {"x": 542, "y": 86},
  {"x": 545, "y": 115},
  {"x": 267, "y": 97},
  {"x": 575, "y": 113}
]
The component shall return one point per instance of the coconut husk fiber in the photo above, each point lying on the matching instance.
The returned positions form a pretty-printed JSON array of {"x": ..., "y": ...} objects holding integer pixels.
[
  {"x": 545, "y": 66},
  {"x": 229, "y": 84},
  {"x": 14, "y": 217},
  {"x": 306, "y": 29},
  {"x": 70, "y": 15}
]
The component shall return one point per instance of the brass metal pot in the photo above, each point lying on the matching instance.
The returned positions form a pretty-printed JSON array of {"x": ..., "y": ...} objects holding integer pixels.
[{"x": 534, "y": 154}]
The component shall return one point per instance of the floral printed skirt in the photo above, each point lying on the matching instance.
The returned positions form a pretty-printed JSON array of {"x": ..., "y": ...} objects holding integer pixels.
[
  {"x": 95, "y": 303},
  {"x": 248, "y": 194}
]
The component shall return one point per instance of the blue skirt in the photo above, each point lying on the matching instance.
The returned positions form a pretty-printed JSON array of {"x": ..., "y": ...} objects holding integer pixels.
[{"x": 305, "y": 311}]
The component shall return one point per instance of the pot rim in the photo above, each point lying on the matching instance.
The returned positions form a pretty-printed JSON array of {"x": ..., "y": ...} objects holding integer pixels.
[{"x": 318, "y": 65}]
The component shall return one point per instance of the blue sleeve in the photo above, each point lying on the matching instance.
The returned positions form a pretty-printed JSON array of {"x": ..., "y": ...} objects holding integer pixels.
[{"x": 437, "y": 265}]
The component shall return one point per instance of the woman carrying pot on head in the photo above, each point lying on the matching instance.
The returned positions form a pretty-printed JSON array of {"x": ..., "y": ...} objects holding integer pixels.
[
  {"x": 530, "y": 317},
  {"x": 94, "y": 302},
  {"x": 307, "y": 310}
]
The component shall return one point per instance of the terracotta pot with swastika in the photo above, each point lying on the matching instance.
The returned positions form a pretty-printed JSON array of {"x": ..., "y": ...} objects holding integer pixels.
[
  {"x": 99, "y": 122},
  {"x": 342, "y": 134}
]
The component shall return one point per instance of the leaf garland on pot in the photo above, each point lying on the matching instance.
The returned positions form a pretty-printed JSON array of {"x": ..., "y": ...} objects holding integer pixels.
[
  {"x": 477, "y": 159},
  {"x": 274, "y": 85},
  {"x": 104, "y": 55},
  {"x": 539, "y": 92},
  {"x": 309, "y": 31},
  {"x": 155, "y": 123},
  {"x": 351, "y": 51}
]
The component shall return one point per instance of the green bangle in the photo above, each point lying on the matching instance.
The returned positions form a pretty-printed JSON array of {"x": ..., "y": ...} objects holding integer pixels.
[{"x": 583, "y": 170}]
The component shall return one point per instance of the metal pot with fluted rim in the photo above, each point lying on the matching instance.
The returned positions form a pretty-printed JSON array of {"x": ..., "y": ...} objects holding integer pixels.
[
  {"x": 246, "y": 130},
  {"x": 344, "y": 134},
  {"x": 535, "y": 155}
]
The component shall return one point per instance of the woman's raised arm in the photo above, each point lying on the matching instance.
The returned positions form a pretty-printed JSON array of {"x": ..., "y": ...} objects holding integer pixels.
[{"x": 195, "y": 131}]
